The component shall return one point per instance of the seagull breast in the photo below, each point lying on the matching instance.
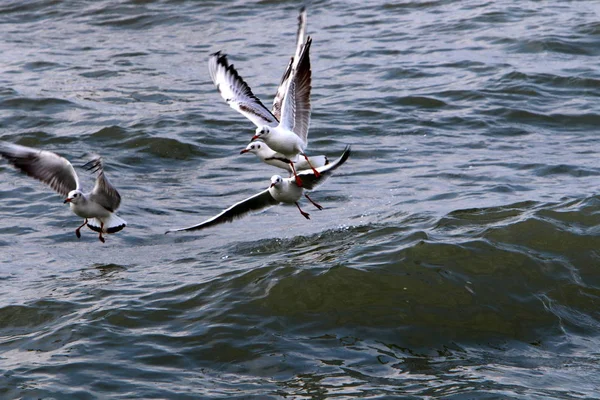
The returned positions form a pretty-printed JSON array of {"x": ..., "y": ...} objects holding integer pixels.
[{"x": 286, "y": 192}]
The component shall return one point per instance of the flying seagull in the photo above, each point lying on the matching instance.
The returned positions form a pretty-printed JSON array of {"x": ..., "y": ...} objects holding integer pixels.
[
  {"x": 285, "y": 130},
  {"x": 268, "y": 156},
  {"x": 97, "y": 207},
  {"x": 260, "y": 148},
  {"x": 281, "y": 190}
]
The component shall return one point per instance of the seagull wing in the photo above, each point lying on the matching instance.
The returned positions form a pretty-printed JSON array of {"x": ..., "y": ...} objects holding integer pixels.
[
  {"x": 295, "y": 112},
  {"x": 310, "y": 181},
  {"x": 237, "y": 93},
  {"x": 48, "y": 167},
  {"x": 301, "y": 33},
  {"x": 300, "y": 37},
  {"x": 104, "y": 193},
  {"x": 257, "y": 202},
  {"x": 283, "y": 85}
]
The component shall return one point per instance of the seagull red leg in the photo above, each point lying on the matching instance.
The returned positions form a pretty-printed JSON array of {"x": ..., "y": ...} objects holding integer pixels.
[
  {"x": 77, "y": 231},
  {"x": 100, "y": 234},
  {"x": 317, "y": 173},
  {"x": 320, "y": 207},
  {"x": 298, "y": 180},
  {"x": 304, "y": 214}
]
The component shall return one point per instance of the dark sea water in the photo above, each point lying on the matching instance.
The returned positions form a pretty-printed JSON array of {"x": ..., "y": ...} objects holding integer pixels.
[{"x": 458, "y": 254}]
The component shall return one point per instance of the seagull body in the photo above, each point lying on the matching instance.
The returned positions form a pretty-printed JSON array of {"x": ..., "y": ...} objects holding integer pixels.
[
  {"x": 97, "y": 207},
  {"x": 271, "y": 157},
  {"x": 281, "y": 190},
  {"x": 285, "y": 128}
]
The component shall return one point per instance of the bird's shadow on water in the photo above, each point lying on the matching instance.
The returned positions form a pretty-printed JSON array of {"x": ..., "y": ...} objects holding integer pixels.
[{"x": 102, "y": 271}]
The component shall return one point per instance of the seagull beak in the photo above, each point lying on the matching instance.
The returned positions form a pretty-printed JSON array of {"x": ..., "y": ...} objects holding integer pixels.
[
  {"x": 67, "y": 200},
  {"x": 254, "y": 137},
  {"x": 244, "y": 151},
  {"x": 272, "y": 184}
]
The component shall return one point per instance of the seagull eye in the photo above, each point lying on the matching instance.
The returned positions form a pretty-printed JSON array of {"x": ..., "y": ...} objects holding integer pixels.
[
  {"x": 258, "y": 146},
  {"x": 252, "y": 146}
]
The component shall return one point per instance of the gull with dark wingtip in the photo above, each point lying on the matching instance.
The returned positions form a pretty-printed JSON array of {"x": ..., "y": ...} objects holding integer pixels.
[
  {"x": 281, "y": 190},
  {"x": 98, "y": 207},
  {"x": 285, "y": 128}
]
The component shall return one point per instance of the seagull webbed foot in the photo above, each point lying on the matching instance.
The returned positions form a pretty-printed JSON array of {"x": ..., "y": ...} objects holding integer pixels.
[
  {"x": 100, "y": 234},
  {"x": 298, "y": 180},
  {"x": 320, "y": 207},
  {"x": 304, "y": 214},
  {"x": 78, "y": 230},
  {"x": 317, "y": 173}
]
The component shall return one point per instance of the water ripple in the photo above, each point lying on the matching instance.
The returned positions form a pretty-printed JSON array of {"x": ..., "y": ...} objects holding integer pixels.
[{"x": 457, "y": 253}]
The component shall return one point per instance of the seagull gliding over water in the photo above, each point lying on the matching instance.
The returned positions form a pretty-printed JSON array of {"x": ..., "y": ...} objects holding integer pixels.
[{"x": 97, "y": 207}]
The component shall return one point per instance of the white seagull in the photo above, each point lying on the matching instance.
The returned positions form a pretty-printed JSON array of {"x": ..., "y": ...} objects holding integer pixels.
[
  {"x": 285, "y": 130},
  {"x": 260, "y": 148},
  {"x": 281, "y": 190},
  {"x": 97, "y": 207},
  {"x": 268, "y": 156}
]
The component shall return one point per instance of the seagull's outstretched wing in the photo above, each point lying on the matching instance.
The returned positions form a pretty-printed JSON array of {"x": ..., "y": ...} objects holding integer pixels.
[
  {"x": 257, "y": 202},
  {"x": 104, "y": 193},
  {"x": 237, "y": 93},
  {"x": 48, "y": 167},
  {"x": 301, "y": 33},
  {"x": 295, "y": 111},
  {"x": 300, "y": 38},
  {"x": 310, "y": 181}
]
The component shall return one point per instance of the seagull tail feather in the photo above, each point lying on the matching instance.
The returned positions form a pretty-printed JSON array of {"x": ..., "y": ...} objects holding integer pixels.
[{"x": 112, "y": 224}]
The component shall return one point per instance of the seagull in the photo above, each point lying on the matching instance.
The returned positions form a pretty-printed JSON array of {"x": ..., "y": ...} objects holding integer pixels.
[
  {"x": 97, "y": 207},
  {"x": 271, "y": 157},
  {"x": 285, "y": 130},
  {"x": 281, "y": 190}
]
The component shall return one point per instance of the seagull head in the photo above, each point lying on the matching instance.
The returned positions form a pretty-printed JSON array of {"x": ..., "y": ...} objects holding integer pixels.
[
  {"x": 276, "y": 180},
  {"x": 261, "y": 132},
  {"x": 253, "y": 147},
  {"x": 74, "y": 197}
]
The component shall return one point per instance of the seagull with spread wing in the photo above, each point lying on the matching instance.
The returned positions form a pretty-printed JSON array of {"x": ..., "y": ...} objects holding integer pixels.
[
  {"x": 98, "y": 207},
  {"x": 285, "y": 129},
  {"x": 281, "y": 190}
]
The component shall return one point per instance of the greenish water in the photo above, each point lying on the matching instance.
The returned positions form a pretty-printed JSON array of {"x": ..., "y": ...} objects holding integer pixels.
[{"x": 457, "y": 256}]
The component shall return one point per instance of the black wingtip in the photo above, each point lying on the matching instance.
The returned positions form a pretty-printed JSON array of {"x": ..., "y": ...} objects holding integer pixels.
[
  {"x": 221, "y": 58},
  {"x": 345, "y": 154},
  {"x": 94, "y": 165}
]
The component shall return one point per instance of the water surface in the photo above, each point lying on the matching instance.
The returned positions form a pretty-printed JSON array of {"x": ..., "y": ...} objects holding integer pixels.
[{"x": 457, "y": 254}]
